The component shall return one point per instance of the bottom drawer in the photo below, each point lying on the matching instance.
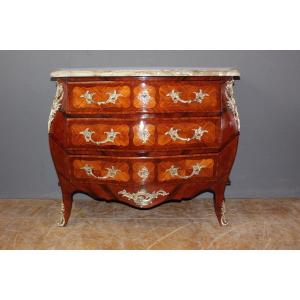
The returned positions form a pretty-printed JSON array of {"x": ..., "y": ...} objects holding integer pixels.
[{"x": 140, "y": 171}]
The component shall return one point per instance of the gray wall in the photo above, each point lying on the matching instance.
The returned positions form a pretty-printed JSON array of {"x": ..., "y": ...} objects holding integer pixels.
[{"x": 267, "y": 163}]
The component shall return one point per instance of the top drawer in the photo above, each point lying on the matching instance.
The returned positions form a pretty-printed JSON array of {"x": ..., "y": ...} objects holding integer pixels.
[
  {"x": 98, "y": 97},
  {"x": 123, "y": 97},
  {"x": 202, "y": 97}
]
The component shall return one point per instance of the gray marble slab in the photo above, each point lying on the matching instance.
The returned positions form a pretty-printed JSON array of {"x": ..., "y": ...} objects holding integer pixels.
[{"x": 94, "y": 72}]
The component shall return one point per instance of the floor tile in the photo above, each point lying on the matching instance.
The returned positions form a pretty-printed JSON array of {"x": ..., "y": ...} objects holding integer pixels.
[{"x": 254, "y": 224}]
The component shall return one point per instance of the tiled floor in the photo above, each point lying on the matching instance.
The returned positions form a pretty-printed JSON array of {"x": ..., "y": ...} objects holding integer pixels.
[{"x": 254, "y": 224}]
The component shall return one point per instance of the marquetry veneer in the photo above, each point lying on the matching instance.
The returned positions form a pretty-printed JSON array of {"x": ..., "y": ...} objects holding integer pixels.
[{"x": 143, "y": 137}]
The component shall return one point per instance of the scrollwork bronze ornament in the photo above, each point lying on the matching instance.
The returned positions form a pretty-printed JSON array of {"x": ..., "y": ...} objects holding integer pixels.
[
  {"x": 198, "y": 133},
  {"x": 174, "y": 171},
  {"x": 112, "y": 98},
  {"x": 223, "y": 219},
  {"x": 199, "y": 97},
  {"x": 143, "y": 173},
  {"x": 111, "y": 172},
  {"x": 142, "y": 197},
  {"x": 62, "y": 221},
  {"x": 144, "y": 134},
  {"x": 144, "y": 97},
  {"x": 56, "y": 104},
  {"x": 231, "y": 103},
  {"x": 110, "y": 136}
]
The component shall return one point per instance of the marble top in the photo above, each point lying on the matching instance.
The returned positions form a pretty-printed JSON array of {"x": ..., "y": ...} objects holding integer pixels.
[{"x": 94, "y": 72}]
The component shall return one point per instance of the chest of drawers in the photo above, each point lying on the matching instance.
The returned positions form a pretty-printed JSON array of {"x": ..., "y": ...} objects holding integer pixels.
[{"x": 143, "y": 137}]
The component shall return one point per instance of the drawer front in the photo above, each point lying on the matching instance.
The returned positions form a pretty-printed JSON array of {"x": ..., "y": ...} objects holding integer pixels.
[
  {"x": 142, "y": 171},
  {"x": 202, "y": 97},
  {"x": 100, "y": 170},
  {"x": 98, "y": 98},
  {"x": 139, "y": 97},
  {"x": 202, "y": 132},
  {"x": 186, "y": 169},
  {"x": 100, "y": 135},
  {"x": 150, "y": 134}
]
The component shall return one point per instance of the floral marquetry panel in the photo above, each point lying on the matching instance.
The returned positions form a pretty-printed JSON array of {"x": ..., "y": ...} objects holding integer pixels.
[{"x": 144, "y": 137}]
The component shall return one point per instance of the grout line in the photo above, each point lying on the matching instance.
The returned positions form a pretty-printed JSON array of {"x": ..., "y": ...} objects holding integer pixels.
[{"x": 167, "y": 235}]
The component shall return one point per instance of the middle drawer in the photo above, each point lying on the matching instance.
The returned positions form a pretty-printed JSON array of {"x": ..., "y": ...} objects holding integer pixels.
[
  {"x": 142, "y": 170},
  {"x": 143, "y": 133}
]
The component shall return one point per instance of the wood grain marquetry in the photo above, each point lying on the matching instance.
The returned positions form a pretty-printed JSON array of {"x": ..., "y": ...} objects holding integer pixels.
[
  {"x": 95, "y": 170},
  {"x": 144, "y": 140},
  {"x": 143, "y": 134},
  {"x": 186, "y": 169},
  {"x": 203, "y": 132},
  {"x": 144, "y": 96},
  {"x": 98, "y": 98},
  {"x": 97, "y": 135},
  {"x": 143, "y": 172},
  {"x": 203, "y": 97}
]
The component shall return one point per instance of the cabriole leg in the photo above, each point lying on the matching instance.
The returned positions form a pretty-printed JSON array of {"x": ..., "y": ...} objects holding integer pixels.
[
  {"x": 219, "y": 203},
  {"x": 66, "y": 207}
]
